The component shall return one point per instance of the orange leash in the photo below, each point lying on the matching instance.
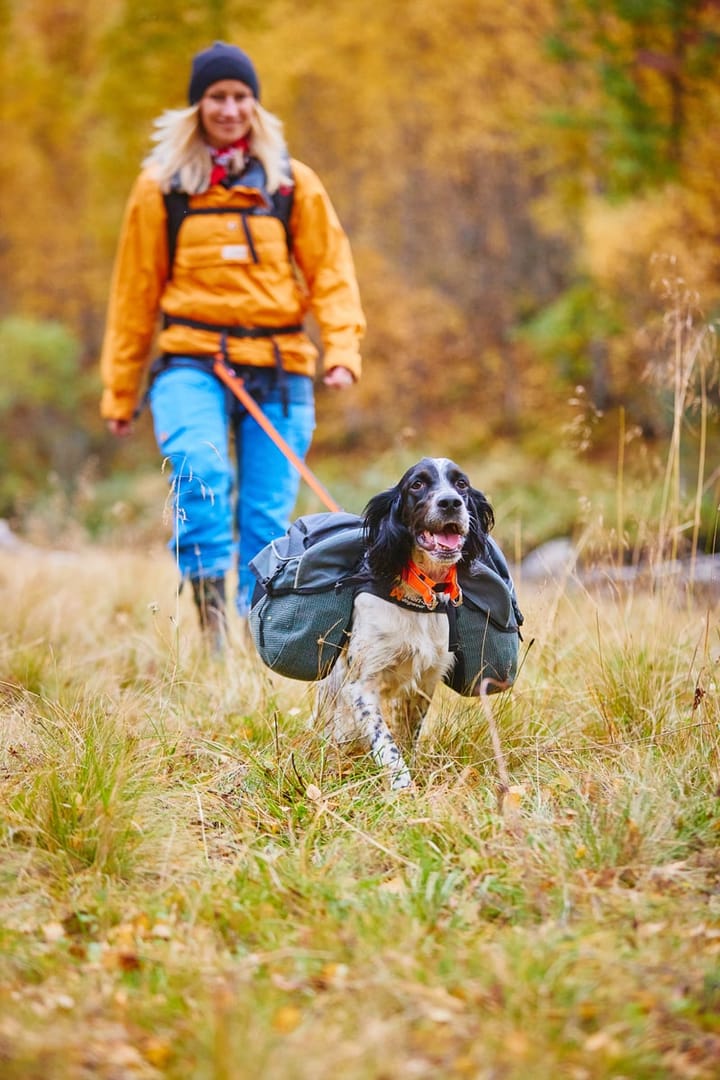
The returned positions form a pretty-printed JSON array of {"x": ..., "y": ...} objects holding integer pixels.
[{"x": 235, "y": 384}]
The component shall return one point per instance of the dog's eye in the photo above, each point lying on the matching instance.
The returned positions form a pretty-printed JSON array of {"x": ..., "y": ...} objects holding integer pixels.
[
  {"x": 417, "y": 485},
  {"x": 461, "y": 484}
]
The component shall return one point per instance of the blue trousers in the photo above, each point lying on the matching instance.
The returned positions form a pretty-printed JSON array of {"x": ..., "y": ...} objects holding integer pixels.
[{"x": 223, "y": 509}]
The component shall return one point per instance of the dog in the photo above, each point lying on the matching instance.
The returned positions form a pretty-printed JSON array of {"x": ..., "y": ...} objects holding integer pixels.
[{"x": 381, "y": 686}]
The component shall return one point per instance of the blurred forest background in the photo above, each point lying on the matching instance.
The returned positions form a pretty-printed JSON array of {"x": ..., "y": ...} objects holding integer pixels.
[{"x": 530, "y": 188}]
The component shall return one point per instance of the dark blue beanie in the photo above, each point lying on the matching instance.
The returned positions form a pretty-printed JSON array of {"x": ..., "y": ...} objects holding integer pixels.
[{"x": 221, "y": 61}]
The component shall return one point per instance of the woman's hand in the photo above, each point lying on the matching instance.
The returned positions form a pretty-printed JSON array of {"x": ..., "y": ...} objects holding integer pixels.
[
  {"x": 120, "y": 428},
  {"x": 338, "y": 378}
]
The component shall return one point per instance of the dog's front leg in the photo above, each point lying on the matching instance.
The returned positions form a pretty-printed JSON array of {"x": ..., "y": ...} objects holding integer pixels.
[
  {"x": 364, "y": 701},
  {"x": 351, "y": 712}
]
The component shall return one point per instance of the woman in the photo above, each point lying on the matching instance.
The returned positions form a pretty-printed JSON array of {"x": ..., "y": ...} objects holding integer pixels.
[{"x": 252, "y": 216}]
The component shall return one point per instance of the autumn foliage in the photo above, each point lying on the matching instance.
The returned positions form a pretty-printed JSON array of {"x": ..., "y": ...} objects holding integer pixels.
[{"x": 516, "y": 180}]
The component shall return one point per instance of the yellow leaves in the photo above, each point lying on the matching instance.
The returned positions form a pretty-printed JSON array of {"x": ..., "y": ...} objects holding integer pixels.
[
  {"x": 646, "y": 1000},
  {"x": 157, "y": 1051},
  {"x": 286, "y": 1019},
  {"x": 510, "y": 800},
  {"x": 465, "y": 1065},
  {"x": 126, "y": 934},
  {"x": 616, "y": 233},
  {"x": 587, "y": 1010},
  {"x": 514, "y": 796},
  {"x": 331, "y": 976},
  {"x": 517, "y": 1043}
]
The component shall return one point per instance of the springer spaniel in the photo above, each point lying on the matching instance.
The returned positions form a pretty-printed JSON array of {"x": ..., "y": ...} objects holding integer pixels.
[{"x": 381, "y": 685}]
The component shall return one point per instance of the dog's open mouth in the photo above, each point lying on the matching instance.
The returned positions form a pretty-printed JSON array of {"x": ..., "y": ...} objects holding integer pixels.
[{"x": 442, "y": 544}]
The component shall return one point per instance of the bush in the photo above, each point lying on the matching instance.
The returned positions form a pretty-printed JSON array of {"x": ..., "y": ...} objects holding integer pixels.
[{"x": 42, "y": 395}]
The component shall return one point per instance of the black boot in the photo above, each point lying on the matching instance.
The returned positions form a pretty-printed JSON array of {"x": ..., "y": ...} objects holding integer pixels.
[{"x": 209, "y": 596}]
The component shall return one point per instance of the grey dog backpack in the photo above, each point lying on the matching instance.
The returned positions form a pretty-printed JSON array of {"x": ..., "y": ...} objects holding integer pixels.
[{"x": 307, "y": 581}]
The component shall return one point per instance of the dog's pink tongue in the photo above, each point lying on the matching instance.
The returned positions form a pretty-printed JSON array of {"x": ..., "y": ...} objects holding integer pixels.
[{"x": 449, "y": 540}]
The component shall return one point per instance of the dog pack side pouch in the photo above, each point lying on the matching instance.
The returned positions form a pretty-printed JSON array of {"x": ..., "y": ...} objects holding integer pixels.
[
  {"x": 303, "y": 601},
  {"x": 487, "y": 627}
]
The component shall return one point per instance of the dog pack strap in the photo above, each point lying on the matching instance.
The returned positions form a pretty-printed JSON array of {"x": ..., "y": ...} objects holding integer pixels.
[{"x": 458, "y": 672}]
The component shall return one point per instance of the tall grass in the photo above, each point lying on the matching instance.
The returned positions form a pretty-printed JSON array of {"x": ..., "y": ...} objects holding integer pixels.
[
  {"x": 686, "y": 367},
  {"x": 191, "y": 881},
  {"x": 192, "y": 885}
]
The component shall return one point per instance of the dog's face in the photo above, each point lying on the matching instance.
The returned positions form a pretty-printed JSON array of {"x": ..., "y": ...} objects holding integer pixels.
[
  {"x": 433, "y": 512},
  {"x": 434, "y": 507}
]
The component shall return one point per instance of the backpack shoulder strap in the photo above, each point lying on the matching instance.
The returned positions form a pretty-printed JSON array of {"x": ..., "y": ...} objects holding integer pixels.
[
  {"x": 176, "y": 207},
  {"x": 282, "y": 202}
]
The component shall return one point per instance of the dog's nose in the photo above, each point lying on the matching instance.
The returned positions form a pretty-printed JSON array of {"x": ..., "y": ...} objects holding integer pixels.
[{"x": 449, "y": 502}]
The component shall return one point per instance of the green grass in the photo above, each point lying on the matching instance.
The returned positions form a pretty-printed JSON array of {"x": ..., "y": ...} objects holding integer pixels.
[{"x": 193, "y": 886}]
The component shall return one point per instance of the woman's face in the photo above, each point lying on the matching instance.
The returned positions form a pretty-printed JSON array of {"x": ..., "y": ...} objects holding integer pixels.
[{"x": 226, "y": 110}]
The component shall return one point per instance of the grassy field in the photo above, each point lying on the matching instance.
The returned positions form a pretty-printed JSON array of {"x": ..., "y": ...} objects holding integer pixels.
[{"x": 193, "y": 886}]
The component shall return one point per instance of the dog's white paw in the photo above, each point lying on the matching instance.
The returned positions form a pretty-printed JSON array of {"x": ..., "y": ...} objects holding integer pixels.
[{"x": 401, "y": 780}]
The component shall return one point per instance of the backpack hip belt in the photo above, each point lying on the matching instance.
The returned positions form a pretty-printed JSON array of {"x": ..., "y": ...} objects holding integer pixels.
[{"x": 233, "y": 331}]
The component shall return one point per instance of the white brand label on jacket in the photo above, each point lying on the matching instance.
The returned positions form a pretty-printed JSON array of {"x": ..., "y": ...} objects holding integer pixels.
[{"x": 237, "y": 252}]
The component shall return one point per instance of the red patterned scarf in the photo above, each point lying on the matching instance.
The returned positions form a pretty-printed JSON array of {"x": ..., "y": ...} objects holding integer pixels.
[{"x": 222, "y": 158}]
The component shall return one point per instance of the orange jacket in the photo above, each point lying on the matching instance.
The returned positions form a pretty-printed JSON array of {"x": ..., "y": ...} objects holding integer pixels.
[{"x": 221, "y": 279}]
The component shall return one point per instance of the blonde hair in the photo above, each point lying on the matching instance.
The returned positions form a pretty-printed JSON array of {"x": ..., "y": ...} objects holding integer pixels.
[{"x": 180, "y": 150}]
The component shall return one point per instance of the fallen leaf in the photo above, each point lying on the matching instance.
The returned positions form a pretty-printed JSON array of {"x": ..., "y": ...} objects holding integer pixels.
[
  {"x": 287, "y": 983},
  {"x": 157, "y": 1051},
  {"x": 286, "y": 1019},
  {"x": 53, "y": 931},
  {"x": 517, "y": 1043},
  {"x": 128, "y": 960},
  {"x": 651, "y": 929},
  {"x": 603, "y": 1043},
  {"x": 465, "y": 1066},
  {"x": 394, "y": 886},
  {"x": 123, "y": 935},
  {"x": 331, "y": 975},
  {"x": 514, "y": 796}
]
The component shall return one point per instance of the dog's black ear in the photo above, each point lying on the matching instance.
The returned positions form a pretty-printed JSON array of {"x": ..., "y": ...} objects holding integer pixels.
[
  {"x": 389, "y": 542},
  {"x": 482, "y": 520}
]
